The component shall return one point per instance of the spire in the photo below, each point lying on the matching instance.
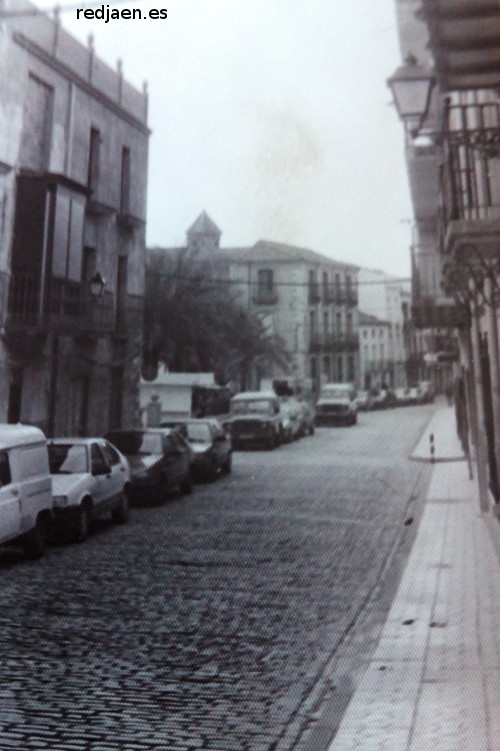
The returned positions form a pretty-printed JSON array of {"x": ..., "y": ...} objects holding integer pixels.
[{"x": 203, "y": 235}]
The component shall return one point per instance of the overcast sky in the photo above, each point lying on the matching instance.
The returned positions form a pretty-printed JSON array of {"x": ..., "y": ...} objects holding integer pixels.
[{"x": 274, "y": 117}]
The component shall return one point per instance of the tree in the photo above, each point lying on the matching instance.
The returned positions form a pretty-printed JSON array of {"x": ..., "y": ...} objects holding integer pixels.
[{"x": 194, "y": 321}]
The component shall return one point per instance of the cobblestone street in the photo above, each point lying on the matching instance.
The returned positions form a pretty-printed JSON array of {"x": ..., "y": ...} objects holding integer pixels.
[{"x": 207, "y": 623}]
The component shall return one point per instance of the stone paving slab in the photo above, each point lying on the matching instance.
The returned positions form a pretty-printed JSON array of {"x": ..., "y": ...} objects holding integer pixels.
[{"x": 434, "y": 682}]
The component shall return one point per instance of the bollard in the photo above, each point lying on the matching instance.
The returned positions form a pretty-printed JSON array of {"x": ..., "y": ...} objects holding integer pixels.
[{"x": 431, "y": 439}]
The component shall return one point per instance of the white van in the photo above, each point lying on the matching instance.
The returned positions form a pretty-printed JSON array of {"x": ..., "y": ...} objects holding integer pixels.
[{"x": 25, "y": 488}]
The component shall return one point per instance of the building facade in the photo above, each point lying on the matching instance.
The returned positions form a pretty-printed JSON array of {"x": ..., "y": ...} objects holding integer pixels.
[
  {"x": 375, "y": 345},
  {"x": 388, "y": 299},
  {"x": 307, "y": 299},
  {"x": 452, "y": 144},
  {"x": 73, "y": 161}
]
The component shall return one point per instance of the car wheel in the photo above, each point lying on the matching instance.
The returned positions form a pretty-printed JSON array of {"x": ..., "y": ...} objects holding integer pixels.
[
  {"x": 271, "y": 442},
  {"x": 227, "y": 466},
  {"x": 120, "y": 514},
  {"x": 35, "y": 540},
  {"x": 311, "y": 430},
  {"x": 81, "y": 529},
  {"x": 212, "y": 471},
  {"x": 186, "y": 486}
]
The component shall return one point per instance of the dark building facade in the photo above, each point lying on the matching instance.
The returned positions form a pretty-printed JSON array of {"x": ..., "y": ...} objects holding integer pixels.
[{"x": 73, "y": 162}]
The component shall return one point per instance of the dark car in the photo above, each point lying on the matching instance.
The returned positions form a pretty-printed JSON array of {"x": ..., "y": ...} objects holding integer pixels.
[
  {"x": 211, "y": 447},
  {"x": 256, "y": 417},
  {"x": 159, "y": 461}
]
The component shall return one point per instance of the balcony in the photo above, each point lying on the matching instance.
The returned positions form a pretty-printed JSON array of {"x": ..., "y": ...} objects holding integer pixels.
[
  {"x": 265, "y": 296},
  {"x": 347, "y": 343},
  {"x": 470, "y": 182},
  {"x": 128, "y": 221},
  {"x": 67, "y": 308}
]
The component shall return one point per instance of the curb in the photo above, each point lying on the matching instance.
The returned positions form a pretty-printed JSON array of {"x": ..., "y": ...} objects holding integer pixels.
[{"x": 436, "y": 460}]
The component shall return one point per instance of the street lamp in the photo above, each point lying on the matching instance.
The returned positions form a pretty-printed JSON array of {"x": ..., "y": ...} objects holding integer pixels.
[
  {"x": 411, "y": 85},
  {"x": 97, "y": 284}
]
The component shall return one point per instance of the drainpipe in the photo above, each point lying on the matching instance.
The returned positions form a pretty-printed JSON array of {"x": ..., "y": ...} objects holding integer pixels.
[
  {"x": 494, "y": 365},
  {"x": 481, "y": 452}
]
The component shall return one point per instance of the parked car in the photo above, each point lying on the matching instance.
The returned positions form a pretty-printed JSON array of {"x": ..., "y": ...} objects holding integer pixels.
[
  {"x": 210, "y": 444},
  {"x": 291, "y": 418},
  {"x": 159, "y": 461},
  {"x": 255, "y": 418},
  {"x": 25, "y": 488},
  {"x": 337, "y": 405},
  {"x": 378, "y": 398},
  {"x": 426, "y": 392},
  {"x": 414, "y": 395},
  {"x": 307, "y": 417},
  {"x": 90, "y": 477},
  {"x": 362, "y": 400},
  {"x": 402, "y": 396}
]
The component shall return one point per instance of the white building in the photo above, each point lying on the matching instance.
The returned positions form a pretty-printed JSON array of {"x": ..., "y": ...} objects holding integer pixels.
[
  {"x": 387, "y": 299},
  {"x": 375, "y": 344}
]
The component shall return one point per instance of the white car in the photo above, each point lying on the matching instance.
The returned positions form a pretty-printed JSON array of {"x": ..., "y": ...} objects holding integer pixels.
[
  {"x": 292, "y": 418},
  {"x": 90, "y": 477}
]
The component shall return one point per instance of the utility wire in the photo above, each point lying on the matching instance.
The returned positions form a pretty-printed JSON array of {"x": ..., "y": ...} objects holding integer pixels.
[{"x": 342, "y": 286}]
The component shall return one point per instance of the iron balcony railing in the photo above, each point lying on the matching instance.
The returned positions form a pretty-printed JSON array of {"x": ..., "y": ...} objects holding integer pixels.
[
  {"x": 67, "y": 306},
  {"x": 346, "y": 343},
  {"x": 332, "y": 342},
  {"x": 470, "y": 174},
  {"x": 333, "y": 293},
  {"x": 265, "y": 296}
]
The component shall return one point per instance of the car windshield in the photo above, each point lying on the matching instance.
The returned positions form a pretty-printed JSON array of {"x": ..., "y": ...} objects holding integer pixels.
[
  {"x": 137, "y": 443},
  {"x": 334, "y": 393},
  {"x": 259, "y": 406},
  {"x": 67, "y": 459},
  {"x": 198, "y": 433}
]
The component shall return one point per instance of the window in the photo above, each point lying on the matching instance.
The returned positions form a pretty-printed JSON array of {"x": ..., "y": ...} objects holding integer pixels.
[
  {"x": 67, "y": 459},
  {"x": 98, "y": 463},
  {"x": 313, "y": 287},
  {"x": 325, "y": 287},
  {"x": 313, "y": 368},
  {"x": 125, "y": 181},
  {"x": 326, "y": 323},
  {"x": 37, "y": 125},
  {"x": 112, "y": 456},
  {"x": 265, "y": 280},
  {"x": 265, "y": 286},
  {"x": 94, "y": 160},
  {"x": 68, "y": 236},
  {"x": 5, "y": 478},
  {"x": 350, "y": 368}
]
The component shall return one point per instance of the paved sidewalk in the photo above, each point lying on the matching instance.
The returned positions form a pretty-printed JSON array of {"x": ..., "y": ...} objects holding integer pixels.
[
  {"x": 441, "y": 434},
  {"x": 434, "y": 680}
]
